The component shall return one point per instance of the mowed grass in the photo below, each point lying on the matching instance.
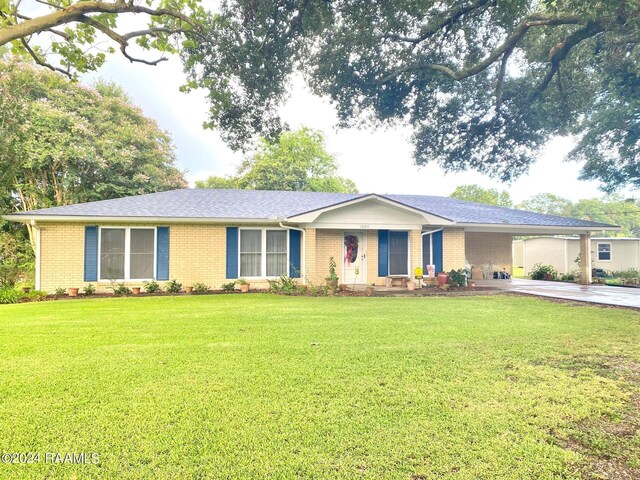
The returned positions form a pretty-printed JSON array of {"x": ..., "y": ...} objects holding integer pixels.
[{"x": 253, "y": 386}]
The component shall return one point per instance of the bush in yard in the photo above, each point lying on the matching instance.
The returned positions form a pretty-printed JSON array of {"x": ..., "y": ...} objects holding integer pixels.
[
  {"x": 121, "y": 289},
  {"x": 543, "y": 272},
  {"x": 89, "y": 290},
  {"x": 570, "y": 277},
  {"x": 59, "y": 292},
  {"x": 284, "y": 285},
  {"x": 33, "y": 296},
  {"x": 173, "y": 287},
  {"x": 151, "y": 287},
  {"x": 200, "y": 287},
  {"x": 228, "y": 287},
  {"x": 9, "y": 295},
  {"x": 458, "y": 278}
]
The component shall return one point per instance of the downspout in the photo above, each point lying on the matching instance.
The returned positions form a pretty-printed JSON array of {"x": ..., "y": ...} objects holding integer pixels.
[
  {"x": 36, "y": 231},
  {"x": 303, "y": 249}
]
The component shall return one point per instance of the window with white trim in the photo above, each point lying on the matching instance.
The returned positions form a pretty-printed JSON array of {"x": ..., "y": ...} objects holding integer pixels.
[
  {"x": 604, "y": 252},
  {"x": 127, "y": 253},
  {"x": 263, "y": 252}
]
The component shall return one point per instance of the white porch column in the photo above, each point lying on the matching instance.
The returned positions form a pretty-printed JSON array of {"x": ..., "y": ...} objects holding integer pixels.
[{"x": 585, "y": 259}]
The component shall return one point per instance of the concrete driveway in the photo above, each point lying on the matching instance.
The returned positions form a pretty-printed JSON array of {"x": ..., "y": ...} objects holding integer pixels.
[{"x": 602, "y": 294}]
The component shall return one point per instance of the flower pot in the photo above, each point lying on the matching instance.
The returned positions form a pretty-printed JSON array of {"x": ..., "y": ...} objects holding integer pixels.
[
  {"x": 135, "y": 290},
  {"x": 244, "y": 288},
  {"x": 411, "y": 286},
  {"x": 443, "y": 279},
  {"x": 188, "y": 289},
  {"x": 73, "y": 292}
]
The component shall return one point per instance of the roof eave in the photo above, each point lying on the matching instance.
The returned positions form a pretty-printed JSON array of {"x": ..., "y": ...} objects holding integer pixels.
[{"x": 25, "y": 218}]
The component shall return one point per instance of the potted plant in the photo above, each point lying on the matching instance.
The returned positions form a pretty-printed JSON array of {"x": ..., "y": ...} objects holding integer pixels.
[
  {"x": 244, "y": 285},
  {"x": 135, "y": 290},
  {"x": 332, "y": 279},
  {"x": 73, "y": 292},
  {"x": 188, "y": 289},
  {"x": 411, "y": 285}
]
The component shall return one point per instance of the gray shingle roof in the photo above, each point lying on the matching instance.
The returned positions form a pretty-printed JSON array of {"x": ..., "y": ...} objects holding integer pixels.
[{"x": 259, "y": 204}]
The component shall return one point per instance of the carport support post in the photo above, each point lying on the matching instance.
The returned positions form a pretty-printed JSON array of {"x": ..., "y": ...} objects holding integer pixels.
[{"x": 585, "y": 259}]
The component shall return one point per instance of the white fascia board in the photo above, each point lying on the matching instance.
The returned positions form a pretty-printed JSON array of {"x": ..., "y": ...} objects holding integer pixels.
[
  {"x": 310, "y": 217},
  {"x": 532, "y": 229},
  {"x": 155, "y": 220}
]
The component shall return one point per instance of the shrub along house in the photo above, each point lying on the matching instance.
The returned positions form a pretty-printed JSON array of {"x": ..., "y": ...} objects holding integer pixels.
[{"x": 216, "y": 236}]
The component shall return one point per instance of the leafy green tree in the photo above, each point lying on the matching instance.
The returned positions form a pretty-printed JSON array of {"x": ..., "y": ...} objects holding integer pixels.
[
  {"x": 295, "y": 161},
  {"x": 65, "y": 143},
  {"x": 71, "y": 30},
  {"x": 484, "y": 84},
  {"x": 475, "y": 193},
  {"x": 614, "y": 210},
  {"x": 547, "y": 203}
]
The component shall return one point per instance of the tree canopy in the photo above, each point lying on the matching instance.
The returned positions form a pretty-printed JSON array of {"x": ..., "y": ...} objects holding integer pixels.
[
  {"x": 295, "y": 161},
  {"x": 484, "y": 84},
  {"x": 614, "y": 210},
  {"x": 72, "y": 31},
  {"x": 490, "y": 196},
  {"x": 62, "y": 142}
]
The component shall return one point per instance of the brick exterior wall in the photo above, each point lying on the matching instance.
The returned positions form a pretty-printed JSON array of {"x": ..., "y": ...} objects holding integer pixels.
[
  {"x": 198, "y": 254},
  {"x": 328, "y": 244},
  {"x": 585, "y": 259},
  {"x": 453, "y": 246},
  {"x": 490, "y": 248},
  {"x": 61, "y": 256}
]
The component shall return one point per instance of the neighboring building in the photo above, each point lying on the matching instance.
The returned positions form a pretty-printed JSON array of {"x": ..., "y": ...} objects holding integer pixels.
[
  {"x": 215, "y": 236},
  {"x": 607, "y": 253}
]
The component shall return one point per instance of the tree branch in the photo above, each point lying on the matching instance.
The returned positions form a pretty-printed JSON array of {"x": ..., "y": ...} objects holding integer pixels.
[
  {"x": 432, "y": 30},
  {"x": 509, "y": 44},
  {"x": 40, "y": 61},
  {"x": 560, "y": 51},
  {"x": 75, "y": 12},
  {"x": 123, "y": 40}
]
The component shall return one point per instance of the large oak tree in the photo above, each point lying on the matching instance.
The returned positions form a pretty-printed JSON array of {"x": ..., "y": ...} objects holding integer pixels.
[{"x": 484, "y": 83}]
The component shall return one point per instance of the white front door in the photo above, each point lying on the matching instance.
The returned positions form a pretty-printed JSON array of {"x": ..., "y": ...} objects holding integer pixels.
[{"x": 354, "y": 254}]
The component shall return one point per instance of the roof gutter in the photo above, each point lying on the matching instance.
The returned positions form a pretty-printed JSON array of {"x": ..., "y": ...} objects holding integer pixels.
[{"x": 24, "y": 218}]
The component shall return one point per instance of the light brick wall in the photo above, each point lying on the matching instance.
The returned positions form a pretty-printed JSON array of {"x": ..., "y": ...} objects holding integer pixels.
[
  {"x": 415, "y": 251},
  {"x": 453, "y": 246},
  {"x": 490, "y": 248},
  {"x": 310, "y": 266},
  {"x": 328, "y": 244},
  {"x": 61, "y": 256},
  {"x": 197, "y": 254}
]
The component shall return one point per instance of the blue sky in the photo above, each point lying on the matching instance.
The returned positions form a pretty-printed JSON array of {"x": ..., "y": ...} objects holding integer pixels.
[{"x": 377, "y": 161}]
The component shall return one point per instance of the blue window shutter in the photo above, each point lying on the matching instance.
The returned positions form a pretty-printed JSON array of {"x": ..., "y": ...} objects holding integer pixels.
[
  {"x": 232, "y": 252},
  {"x": 162, "y": 254},
  {"x": 294, "y": 253},
  {"x": 383, "y": 253},
  {"x": 437, "y": 251},
  {"x": 91, "y": 254}
]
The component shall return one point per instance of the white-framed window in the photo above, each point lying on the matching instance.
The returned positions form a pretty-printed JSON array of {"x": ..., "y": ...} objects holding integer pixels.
[
  {"x": 604, "y": 252},
  {"x": 264, "y": 252},
  {"x": 127, "y": 253}
]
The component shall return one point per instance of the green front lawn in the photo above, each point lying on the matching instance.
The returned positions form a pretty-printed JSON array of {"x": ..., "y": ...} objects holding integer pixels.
[{"x": 248, "y": 386}]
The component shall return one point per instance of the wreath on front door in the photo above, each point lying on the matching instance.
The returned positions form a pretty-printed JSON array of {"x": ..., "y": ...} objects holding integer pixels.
[{"x": 351, "y": 244}]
